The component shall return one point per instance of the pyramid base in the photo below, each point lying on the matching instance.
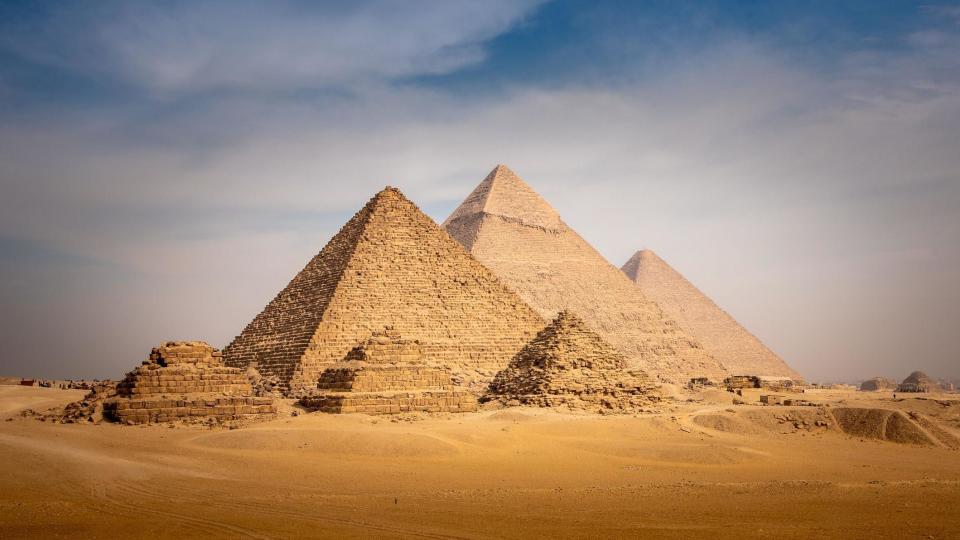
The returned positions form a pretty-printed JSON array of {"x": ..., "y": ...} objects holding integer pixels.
[
  {"x": 391, "y": 403},
  {"x": 188, "y": 408}
]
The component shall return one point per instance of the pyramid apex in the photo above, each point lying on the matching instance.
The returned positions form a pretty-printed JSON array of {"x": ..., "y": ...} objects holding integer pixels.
[
  {"x": 388, "y": 192},
  {"x": 504, "y": 194},
  {"x": 502, "y": 168},
  {"x": 566, "y": 316}
]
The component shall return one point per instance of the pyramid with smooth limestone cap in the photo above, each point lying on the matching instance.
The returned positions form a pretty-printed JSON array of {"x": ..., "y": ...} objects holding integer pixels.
[
  {"x": 738, "y": 350},
  {"x": 508, "y": 227},
  {"x": 389, "y": 266}
]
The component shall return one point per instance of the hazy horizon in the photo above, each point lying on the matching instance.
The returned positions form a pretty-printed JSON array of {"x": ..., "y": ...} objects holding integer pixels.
[{"x": 168, "y": 167}]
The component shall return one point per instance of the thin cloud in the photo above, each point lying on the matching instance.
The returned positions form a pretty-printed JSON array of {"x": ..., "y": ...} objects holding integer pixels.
[
  {"x": 168, "y": 49},
  {"x": 818, "y": 206}
]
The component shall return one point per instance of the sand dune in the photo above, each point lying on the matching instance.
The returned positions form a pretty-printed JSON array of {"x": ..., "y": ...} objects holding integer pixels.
[{"x": 697, "y": 469}]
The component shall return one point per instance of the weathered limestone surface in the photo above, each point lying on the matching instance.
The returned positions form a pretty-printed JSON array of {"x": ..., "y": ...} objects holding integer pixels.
[
  {"x": 185, "y": 380},
  {"x": 740, "y": 352},
  {"x": 568, "y": 365},
  {"x": 385, "y": 375},
  {"x": 514, "y": 232},
  {"x": 390, "y": 265}
]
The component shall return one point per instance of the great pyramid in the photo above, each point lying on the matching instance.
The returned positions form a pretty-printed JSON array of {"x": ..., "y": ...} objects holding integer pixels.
[
  {"x": 567, "y": 364},
  {"x": 514, "y": 232},
  {"x": 740, "y": 352},
  {"x": 390, "y": 265}
]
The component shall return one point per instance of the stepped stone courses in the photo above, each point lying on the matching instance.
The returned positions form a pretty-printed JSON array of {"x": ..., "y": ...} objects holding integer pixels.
[
  {"x": 185, "y": 380},
  {"x": 514, "y": 232},
  {"x": 919, "y": 381},
  {"x": 568, "y": 365},
  {"x": 390, "y": 265},
  {"x": 740, "y": 352},
  {"x": 384, "y": 375}
]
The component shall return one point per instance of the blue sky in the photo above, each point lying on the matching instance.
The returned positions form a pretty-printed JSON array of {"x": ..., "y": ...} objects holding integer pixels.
[{"x": 796, "y": 160}]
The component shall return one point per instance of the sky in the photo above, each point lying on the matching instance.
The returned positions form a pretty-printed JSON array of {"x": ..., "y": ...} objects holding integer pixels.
[{"x": 167, "y": 167}]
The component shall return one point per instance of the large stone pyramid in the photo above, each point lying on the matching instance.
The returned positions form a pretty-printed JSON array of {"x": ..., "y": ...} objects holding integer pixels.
[
  {"x": 389, "y": 266},
  {"x": 737, "y": 349},
  {"x": 568, "y": 365},
  {"x": 514, "y": 232}
]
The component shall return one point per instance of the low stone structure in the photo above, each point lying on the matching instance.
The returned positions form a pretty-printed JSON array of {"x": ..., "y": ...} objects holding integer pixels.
[
  {"x": 918, "y": 381},
  {"x": 387, "y": 375},
  {"x": 569, "y": 365},
  {"x": 737, "y": 382},
  {"x": 878, "y": 384},
  {"x": 771, "y": 399},
  {"x": 186, "y": 380},
  {"x": 776, "y": 383}
]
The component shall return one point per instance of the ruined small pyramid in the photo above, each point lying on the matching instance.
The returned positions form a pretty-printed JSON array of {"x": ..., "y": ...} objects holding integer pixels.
[
  {"x": 513, "y": 231},
  {"x": 918, "y": 381},
  {"x": 387, "y": 374},
  {"x": 569, "y": 365},
  {"x": 389, "y": 266},
  {"x": 186, "y": 381},
  {"x": 878, "y": 384},
  {"x": 740, "y": 352}
]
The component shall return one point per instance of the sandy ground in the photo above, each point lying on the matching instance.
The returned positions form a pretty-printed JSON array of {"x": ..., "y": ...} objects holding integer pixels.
[{"x": 508, "y": 474}]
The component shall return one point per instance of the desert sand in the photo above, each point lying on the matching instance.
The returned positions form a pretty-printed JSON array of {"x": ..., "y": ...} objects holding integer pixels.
[{"x": 698, "y": 469}]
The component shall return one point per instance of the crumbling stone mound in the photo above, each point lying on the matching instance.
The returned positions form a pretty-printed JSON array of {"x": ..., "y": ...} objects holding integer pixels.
[
  {"x": 387, "y": 374},
  {"x": 186, "y": 381},
  {"x": 89, "y": 409},
  {"x": 918, "y": 381},
  {"x": 569, "y": 365},
  {"x": 881, "y": 424},
  {"x": 878, "y": 384}
]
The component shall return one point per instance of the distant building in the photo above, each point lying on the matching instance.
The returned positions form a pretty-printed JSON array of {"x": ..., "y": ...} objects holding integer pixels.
[
  {"x": 918, "y": 381},
  {"x": 878, "y": 384}
]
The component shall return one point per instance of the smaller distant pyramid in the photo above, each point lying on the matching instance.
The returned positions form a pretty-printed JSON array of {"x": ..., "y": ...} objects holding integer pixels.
[
  {"x": 569, "y": 365},
  {"x": 387, "y": 374},
  {"x": 878, "y": 384},
  {"x": 919, "y": 381},
  {"x": 740, "y": 352}
]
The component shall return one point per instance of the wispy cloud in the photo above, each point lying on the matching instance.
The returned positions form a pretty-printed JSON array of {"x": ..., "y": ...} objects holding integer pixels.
[
  {"x": 183, "y": 47},
  {"x": 817, "y": 205}
]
